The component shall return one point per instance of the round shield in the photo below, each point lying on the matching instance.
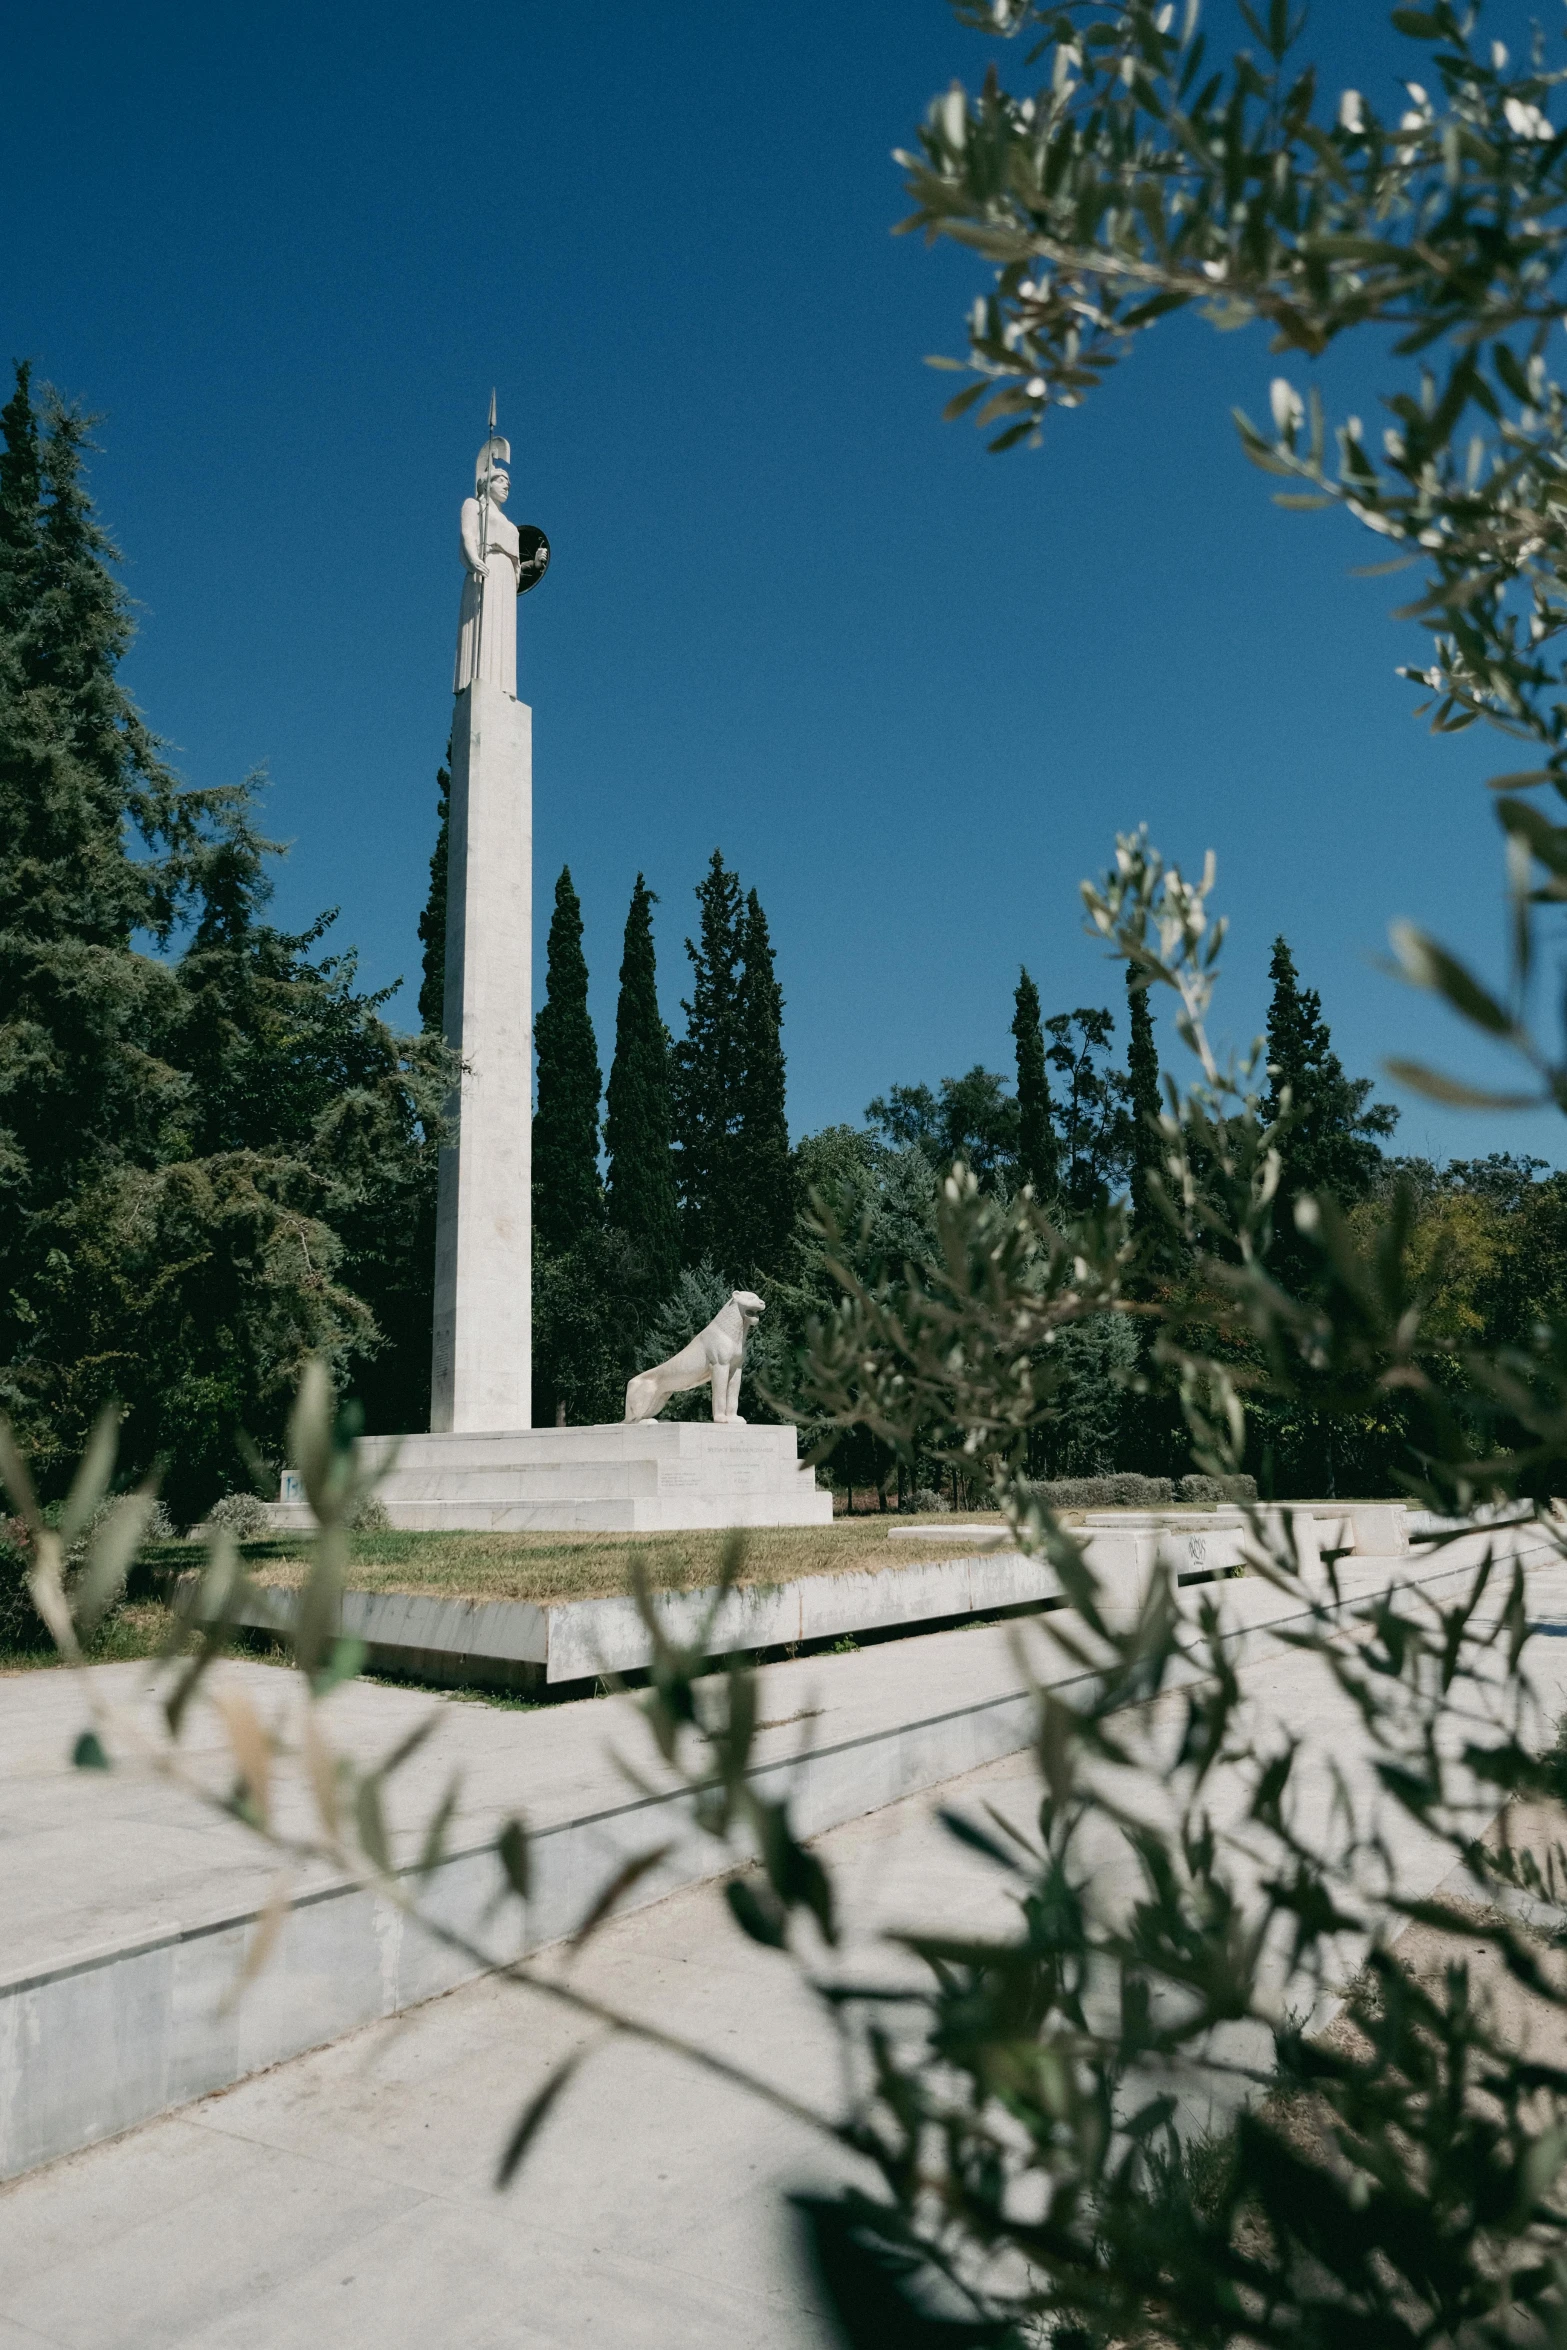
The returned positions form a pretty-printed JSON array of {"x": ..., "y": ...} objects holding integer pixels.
[{"x": 533, "y": 557}]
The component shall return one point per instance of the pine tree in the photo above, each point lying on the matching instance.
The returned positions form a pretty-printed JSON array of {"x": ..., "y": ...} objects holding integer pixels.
[
  {"x": 640, "y": 1197},
  {"x": 294, "y": 1207},
  {"x": 972, "y": 1119},
  {"x": 568, "y": 1199},
  {"x": 708, "y": 1069},
  {"x": 432, "y": 922},
  {"x": 1151, "y": 1227},
  {"x": 1038, "y": 1162},
  {"x": 1329, "y": 1147},
  {"x": 83, "y": 1080},
  {"x": 765, "y": 1204},
  {"x": 210, "y": 1166},
  {"x": 21, "y": 511}
]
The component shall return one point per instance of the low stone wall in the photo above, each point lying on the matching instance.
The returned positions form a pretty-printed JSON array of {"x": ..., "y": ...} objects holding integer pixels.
[
  {"x": 520, "y": 1643},
  {"x": 433, "y": 1638}
]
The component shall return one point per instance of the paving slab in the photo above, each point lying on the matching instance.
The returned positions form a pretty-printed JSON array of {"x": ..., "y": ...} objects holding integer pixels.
[
  {"x": 347, "y": 2196},
  {"x": 132, "y": 1907}
]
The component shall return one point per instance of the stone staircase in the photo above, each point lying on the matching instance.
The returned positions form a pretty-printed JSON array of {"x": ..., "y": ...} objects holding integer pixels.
[{"x": 652, "y": 1476}]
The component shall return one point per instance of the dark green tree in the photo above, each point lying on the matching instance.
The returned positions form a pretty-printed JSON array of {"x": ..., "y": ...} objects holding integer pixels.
[
  {"x": 640, "y": 1197},
  {"x": 568, "y": 1197},
  {"x": 584, "y": 1343},
  {"x": 432, "y": 922},
  {"x": 1330, "y": 1145},
  {"x": 972, "y": 1118},
  {"x": 767, "y": 1204},
  {"x": 21, "y": 510},
  {"x": 909, "y": 1117},
  {"x": 709, "y": 1064},
  {"x": 1037, "y": 1154},
  {"x": 1151, "y": 1227},
  {"x": 1095, "y": 1123},
  {"x": 210, "y": 1165},
  {"x": 292, "y": 1067},
  {"x": 86, "y": 818}
]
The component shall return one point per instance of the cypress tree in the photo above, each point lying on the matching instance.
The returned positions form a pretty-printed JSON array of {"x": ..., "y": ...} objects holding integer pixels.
[
  {"x": 765, "y": 1205},
  {"x": 1151, "y": 1228},
  {"x": 708, "y": 1069},
  {"x": 1329, "y": 1146},
  {"x": 568, "y": 1199},
  {"x": 432, "y": 922},
  {"x": 1038, "y": 1161},
  {"x": 638, "y": 1125}
]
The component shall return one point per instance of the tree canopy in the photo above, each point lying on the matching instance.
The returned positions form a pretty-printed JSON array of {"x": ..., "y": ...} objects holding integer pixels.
[
  {"x": 1330, "y": 1128},
  {"x": 215, "y": 1155},
  {"x": 432, "y": 922},
  {"x": 732, "y": 1167},
  {"x": 568, "y": 1196},
  {"x": 639, "y": 1120},
  {"x": 1037, "y": 1154}
]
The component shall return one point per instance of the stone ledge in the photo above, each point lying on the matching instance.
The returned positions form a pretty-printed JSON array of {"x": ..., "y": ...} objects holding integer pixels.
[
  {"x": 522, "y": 1642},
  {"x": 578, "y": 1639}
]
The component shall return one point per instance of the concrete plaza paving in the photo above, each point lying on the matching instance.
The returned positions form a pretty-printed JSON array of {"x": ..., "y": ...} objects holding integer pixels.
[{"x": 347, "y": 2195}]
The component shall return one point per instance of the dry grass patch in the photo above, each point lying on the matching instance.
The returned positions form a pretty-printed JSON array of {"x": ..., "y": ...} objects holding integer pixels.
[{"x": 598, "y": 1566}]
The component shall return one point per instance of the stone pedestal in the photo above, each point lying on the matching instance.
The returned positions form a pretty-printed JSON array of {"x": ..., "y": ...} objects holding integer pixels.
[
  {"x": 481, "y": 1371},
  {"x": 653, "y": 1476}
]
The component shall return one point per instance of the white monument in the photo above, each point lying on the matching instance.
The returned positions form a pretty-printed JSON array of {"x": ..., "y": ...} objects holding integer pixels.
[
  {"x": 483, "y": 1464},
  {"x": 481, "y": 1350}
]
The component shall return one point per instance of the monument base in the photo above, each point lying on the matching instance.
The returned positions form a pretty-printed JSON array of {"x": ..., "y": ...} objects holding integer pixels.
[{"x": 651, "y": 1477}]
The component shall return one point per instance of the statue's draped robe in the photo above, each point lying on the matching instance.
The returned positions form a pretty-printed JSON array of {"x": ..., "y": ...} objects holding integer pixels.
[{"x": 487, "y": 626}]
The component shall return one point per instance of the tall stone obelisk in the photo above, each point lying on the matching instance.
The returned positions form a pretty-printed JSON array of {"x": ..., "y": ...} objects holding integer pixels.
[
  {"x": 481, "y": 1372},
  {"x": 483, "y": 1464}
]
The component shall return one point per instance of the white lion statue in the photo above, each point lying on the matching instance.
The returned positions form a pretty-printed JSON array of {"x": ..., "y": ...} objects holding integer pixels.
[{"x": 716, "y": 1353}]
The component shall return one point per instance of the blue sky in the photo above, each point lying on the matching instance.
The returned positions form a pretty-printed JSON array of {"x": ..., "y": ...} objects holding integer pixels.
[{"x": 912, "y": 690}]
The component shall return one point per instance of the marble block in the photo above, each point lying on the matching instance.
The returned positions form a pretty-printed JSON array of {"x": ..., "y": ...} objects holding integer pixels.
[
  {"x": 481, "y": 1354},
  {"x": 647, "y": 1476}
]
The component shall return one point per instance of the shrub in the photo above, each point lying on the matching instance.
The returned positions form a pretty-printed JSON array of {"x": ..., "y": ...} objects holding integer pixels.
[
  {"x": 21, "y": 1628},
  {"x": 1123, "y": 1492},
  {"x": 1217, "y": 1490},
  {"x": 370, "y": 1517},
  {"x": 160, "y": 1527},
  {"x": 244, "y": 1514}
]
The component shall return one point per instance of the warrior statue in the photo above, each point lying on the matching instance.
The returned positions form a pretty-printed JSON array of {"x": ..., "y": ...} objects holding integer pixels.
[{"x": 502, "y": 563}]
